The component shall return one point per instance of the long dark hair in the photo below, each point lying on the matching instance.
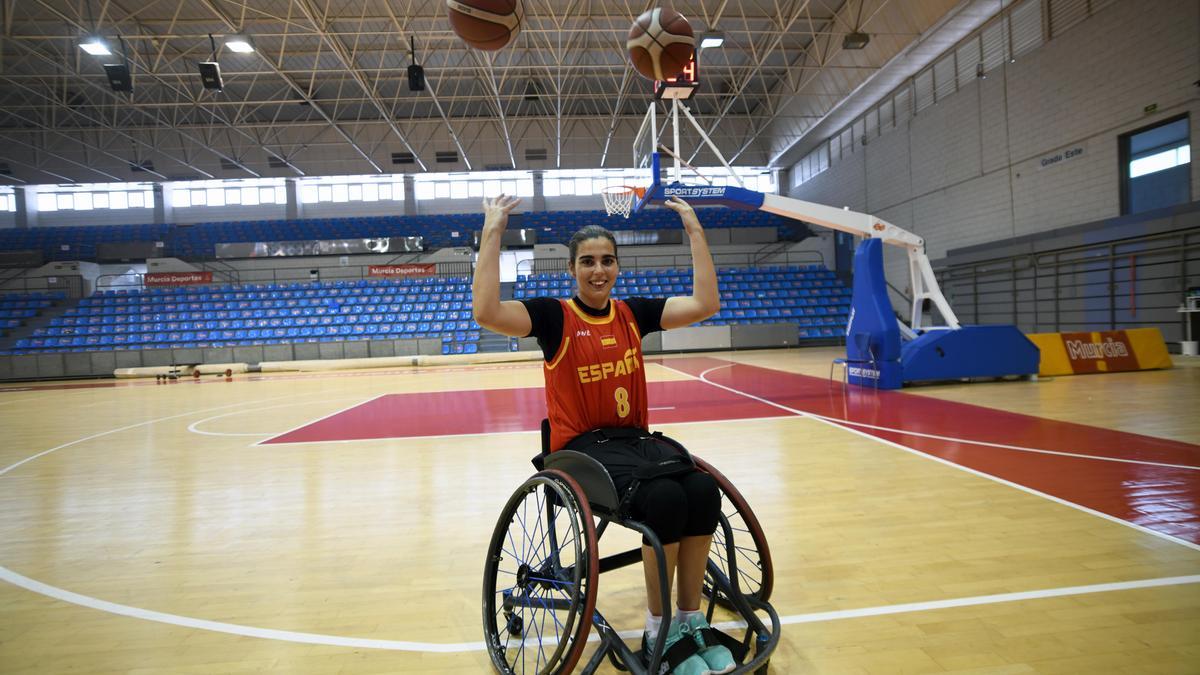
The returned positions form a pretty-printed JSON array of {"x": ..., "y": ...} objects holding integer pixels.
[{"x": 590, "y": 232}]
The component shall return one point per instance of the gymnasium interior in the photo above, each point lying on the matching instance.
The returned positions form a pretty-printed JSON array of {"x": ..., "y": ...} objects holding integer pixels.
[{"x": 252, "y": 425}]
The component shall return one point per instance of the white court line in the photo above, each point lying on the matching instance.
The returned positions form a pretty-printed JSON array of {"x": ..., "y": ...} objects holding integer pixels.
[
  {"x": 458, "y": 647},
  {"x": 336, "y": 412},
  {"x": 1141, "y": 528},
  {"x": 400, "y": 438},
  {"x": 1018, "y": 448},
  {"x": 314, "y": 638},
  {"x": 193, "y": 427},
  {"x": 131, "y": 426}
]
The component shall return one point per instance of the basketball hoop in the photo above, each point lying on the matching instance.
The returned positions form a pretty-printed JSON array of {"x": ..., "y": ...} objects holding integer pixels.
[{"x": 618, "y": 199}]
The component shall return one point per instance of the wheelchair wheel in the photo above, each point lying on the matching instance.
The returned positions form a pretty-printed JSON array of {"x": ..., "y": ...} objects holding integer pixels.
[
  {"x": 539, "y": 582},
  {"x": 756, "y": 576}
]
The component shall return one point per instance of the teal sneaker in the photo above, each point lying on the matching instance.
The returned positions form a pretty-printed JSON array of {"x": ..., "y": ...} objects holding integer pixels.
[
  {"x": 716, "y": 656},
  {"x": 692, "y": 665}
]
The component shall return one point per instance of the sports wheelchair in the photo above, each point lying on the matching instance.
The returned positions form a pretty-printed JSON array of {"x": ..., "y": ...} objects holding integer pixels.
[{"x": 540, "y": 577}]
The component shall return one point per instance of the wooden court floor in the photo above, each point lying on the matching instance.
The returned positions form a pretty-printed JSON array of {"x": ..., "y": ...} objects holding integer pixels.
[{"x": 967, "y": 528}]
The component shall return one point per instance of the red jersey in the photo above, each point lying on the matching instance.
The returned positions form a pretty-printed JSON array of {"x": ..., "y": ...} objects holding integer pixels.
[{"x": 597, "y": 378}]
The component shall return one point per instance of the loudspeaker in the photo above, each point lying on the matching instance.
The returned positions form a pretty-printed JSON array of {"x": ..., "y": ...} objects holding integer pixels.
[
  {"x": 416, "y": 78},
  {"x": 210, "y": 75},
  {"x": 118, "y": 77}
]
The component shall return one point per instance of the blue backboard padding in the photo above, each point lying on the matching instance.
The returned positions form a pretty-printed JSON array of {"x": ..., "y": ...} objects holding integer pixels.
[
  {"x": 970, "y": 351},
  {"x": 699, "y": 195}
]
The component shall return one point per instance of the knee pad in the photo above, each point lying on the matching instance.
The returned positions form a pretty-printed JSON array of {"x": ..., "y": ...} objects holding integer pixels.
[
  {"x": 704, "y": 503},
  {"x": 662, "y": 505}
]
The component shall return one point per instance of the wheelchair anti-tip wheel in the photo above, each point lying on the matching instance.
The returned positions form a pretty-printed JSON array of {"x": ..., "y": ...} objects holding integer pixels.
[
  {"x": 755, "y": 574},
  {"x": 539, "y": 583}
]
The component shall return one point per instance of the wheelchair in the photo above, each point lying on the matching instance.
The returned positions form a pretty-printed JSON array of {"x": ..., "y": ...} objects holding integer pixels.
[{"x": 543, "y": 563}]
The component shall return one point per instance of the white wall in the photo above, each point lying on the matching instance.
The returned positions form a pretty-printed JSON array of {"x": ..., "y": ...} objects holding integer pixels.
[{"x": 967, "y": 170}]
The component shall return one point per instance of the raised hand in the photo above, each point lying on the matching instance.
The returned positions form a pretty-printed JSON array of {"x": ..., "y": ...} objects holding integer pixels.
[
  {"x": 691, "y": 224},
  {"x": 496, "y": 210}
]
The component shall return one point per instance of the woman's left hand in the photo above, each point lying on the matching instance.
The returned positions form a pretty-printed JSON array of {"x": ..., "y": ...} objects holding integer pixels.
[{"x": 691, "y": 224}]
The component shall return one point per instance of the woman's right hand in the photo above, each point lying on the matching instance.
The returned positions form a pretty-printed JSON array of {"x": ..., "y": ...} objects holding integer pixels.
[{"x": 496, "y": 210}]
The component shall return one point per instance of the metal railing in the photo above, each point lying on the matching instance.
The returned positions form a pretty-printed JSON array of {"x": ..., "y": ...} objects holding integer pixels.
[{"x": 1127, "y": 283}]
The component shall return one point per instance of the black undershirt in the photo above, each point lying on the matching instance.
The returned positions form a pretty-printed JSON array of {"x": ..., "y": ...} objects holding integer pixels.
[{"x": 546, "y": 316}]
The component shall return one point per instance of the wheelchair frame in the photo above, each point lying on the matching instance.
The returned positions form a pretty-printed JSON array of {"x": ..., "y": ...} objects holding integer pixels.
[{"x": 581, "y": 487}]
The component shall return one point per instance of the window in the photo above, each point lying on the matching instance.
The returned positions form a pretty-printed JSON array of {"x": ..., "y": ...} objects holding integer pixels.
[
  {"x": 1025, "y": 27},
  {"x": 118, "y": 200},
  {"x": 459, "y": 190},
  {"x": 1160, "y": 161},
  {"x": 1156, "y": 166},
  {"x": 83, "y": 201},
  {"x": 340, "y": 193}
]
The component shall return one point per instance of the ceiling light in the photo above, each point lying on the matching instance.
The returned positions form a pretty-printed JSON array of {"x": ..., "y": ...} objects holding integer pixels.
[
  {"x": 714, "y": 39},
  {"x": 95, "y": 46},
  {"x": 239, "y": 43},
  {"x": 855, "y": 40}
]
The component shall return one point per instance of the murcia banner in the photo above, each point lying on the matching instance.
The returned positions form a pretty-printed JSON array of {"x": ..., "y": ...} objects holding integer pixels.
[
  {"x": 413, "y": 270},
  {"x": 1101, "y": 352},
  {"x": 176, "y": 278}
]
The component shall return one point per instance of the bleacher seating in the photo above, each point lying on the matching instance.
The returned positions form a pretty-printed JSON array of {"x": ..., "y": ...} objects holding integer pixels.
[
  {"x": 16, "y": 307},
  {"x": 264, "y": 314},
  {"x": 77, "y": 242},
  {"x": 439, "y": 231},
  {"x": 810, "y": 296}
]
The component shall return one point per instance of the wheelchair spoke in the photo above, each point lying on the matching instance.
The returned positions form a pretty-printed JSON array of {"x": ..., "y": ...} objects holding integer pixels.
[{"x": 538, "y": 583}]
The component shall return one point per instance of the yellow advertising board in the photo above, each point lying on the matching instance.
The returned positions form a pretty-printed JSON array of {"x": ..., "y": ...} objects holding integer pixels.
[{"x": 1101, "y": 352}]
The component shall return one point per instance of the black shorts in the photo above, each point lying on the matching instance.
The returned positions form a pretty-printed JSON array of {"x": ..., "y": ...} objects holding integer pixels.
[{"x": 623, "y": 450}]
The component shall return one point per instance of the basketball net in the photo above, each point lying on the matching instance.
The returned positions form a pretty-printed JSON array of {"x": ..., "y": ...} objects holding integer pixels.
[{"x": 618, "y": 199}]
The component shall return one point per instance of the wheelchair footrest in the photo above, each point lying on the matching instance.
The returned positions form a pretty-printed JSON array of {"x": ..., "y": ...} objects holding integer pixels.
[{"x": 680, "y": 651}]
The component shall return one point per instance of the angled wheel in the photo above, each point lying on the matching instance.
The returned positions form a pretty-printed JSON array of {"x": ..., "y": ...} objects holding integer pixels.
[
  {"x": 755, "y": 575},
  {"x": 539, "y": 581}
]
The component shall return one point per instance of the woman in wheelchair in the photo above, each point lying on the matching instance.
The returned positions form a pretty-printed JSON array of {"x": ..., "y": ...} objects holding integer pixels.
[{"x": 596, "y": 398}]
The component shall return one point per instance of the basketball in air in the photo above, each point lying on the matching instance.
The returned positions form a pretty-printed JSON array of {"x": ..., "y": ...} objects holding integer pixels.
[
  {"x": 485, "y": 24},
  {"x": 661, "y": 43}
]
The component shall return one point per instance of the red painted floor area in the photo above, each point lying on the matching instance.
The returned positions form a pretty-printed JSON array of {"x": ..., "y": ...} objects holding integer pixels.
[
  {"x": 1161, "y": 498},
  {"x": 1138, "y": 489},
  {"x": 503, "y": 410}
]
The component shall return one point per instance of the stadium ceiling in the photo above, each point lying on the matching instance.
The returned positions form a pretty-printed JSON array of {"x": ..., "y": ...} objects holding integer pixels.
[{"x": 325, "y": 92}]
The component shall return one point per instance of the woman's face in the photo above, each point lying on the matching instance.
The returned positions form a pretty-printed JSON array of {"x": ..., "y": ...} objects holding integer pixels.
[{"x": 595, "y": 270}]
